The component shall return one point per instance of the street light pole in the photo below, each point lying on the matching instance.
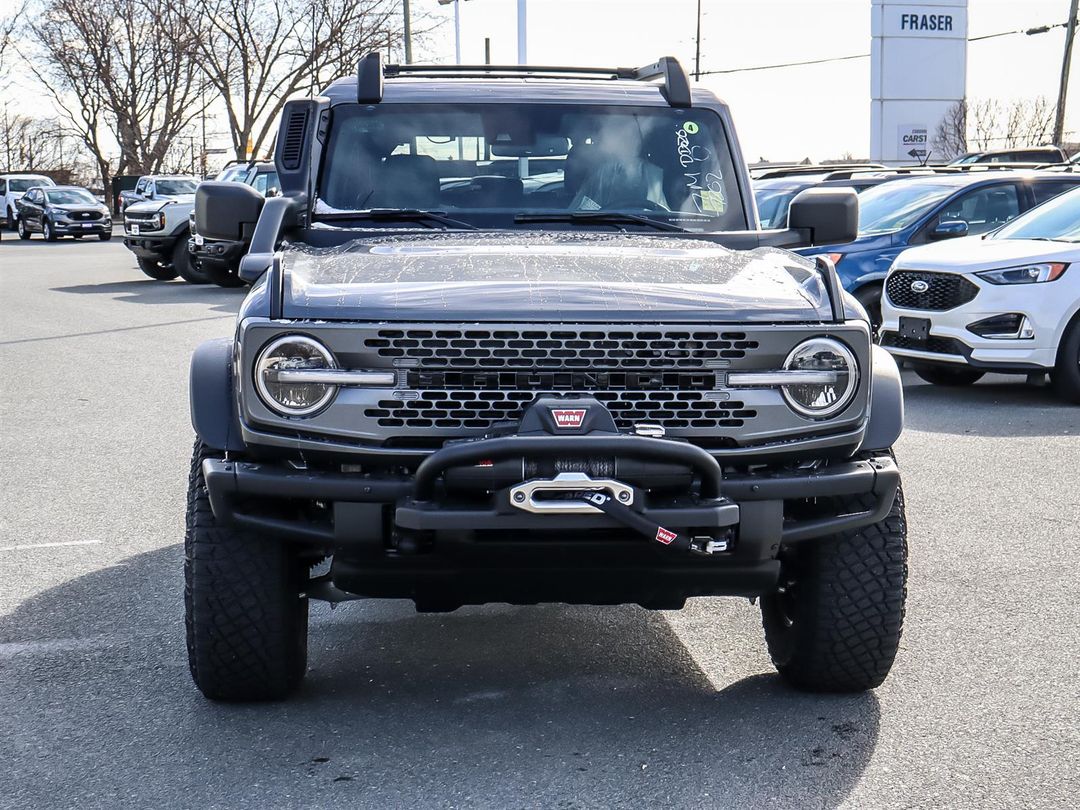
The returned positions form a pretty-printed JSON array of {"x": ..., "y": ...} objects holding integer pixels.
[
  {"x": 522, "y": 39},
  {"x": 407, "y": 23},
  {"x": 697, "y": 45},
  {"x": 1063, "y": 90}
]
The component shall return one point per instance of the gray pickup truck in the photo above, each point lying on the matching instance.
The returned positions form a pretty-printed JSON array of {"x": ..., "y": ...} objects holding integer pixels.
[{"x": 515, "y": 335}]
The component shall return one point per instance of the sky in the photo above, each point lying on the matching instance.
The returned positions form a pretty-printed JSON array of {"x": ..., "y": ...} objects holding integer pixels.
[{"x": 820, "y": 111}]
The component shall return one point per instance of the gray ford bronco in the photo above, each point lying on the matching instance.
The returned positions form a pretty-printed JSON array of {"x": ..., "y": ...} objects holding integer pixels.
[{"x": 515, "y": 335}]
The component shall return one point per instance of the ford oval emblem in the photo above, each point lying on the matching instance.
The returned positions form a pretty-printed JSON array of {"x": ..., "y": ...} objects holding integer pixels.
[{"x": 919, "y": 287}]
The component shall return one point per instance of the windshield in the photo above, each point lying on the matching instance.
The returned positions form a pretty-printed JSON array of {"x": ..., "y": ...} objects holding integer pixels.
[
  {"x": 483, "y": 160},
  {"x": 892, "y": 206},
  {"x": 1058, "y": 219},
  {"x": 175, "y": 187},
  {"x": 70, "y": 196},
  {"x": 24, "y": 183}
]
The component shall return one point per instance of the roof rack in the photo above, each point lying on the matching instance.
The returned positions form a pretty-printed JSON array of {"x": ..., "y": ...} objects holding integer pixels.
[
  {"x": 674, "y": 83},
  {"x": 835, "y": 170}
]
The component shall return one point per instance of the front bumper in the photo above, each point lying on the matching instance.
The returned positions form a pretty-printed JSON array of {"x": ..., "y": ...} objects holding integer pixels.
[
  {"x": 225, "y": 254},
  {"x": 415, "y": 537},
  {"x": 952, "y": 343},
  {"x": 158, "y": 248},
  {"x": 73, "y": 228}
]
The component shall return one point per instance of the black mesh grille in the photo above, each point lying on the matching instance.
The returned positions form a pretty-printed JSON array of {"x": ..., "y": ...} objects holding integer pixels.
[
  {"x": 483, "y": 409},
  {"x": 943, "y": 290},
  {"x": 625, "y": 350},
  {"x": 293, "y": 143},
  {"x": 936, "y": 345},
  {"x": 84, "y": 216}
]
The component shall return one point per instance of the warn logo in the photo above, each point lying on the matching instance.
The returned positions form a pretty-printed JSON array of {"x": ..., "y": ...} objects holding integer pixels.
[
  {"x": 568, "y": 418},
  {"x": 665, "y": 536}
]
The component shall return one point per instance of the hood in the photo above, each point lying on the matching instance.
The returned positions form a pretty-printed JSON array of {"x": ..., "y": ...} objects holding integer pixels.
[
  {"x": 878, "y": 241},
  {"x": 84, "y": 206},
  {"x": 973, "y": 254},
  {"x": 524, "y": 276},
  {"x": 153, "y": 206}
]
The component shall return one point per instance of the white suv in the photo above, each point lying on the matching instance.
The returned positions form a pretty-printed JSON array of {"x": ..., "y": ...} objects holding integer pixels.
[
  {"x": 12, "y": 187},
  {"x": 1005, "y": 302}
]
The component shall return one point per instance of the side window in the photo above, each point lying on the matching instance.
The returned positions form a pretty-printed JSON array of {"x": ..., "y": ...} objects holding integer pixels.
[
  {"x": 3, "y": 187},
  {"x": 1046, "y": 191},
  {"x": 984, "y": 208},
  {"x": 140, "y": 187},
  {"x": 149, "y": 188}
]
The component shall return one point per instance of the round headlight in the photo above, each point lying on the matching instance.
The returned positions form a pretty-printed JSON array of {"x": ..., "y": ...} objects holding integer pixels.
[
  {"x": 819, "y": 400},
  {"x": 293, "y": 352}
]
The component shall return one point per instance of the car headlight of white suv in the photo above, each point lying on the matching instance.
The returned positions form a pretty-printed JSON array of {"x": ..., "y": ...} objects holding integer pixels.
[{"x": 1025, "y": 274}]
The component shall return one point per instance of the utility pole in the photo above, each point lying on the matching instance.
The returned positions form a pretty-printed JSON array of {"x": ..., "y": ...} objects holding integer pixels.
[
  {"x": 1070, "y": 35},
  {"x": 521, "y": 28},
  {"x": 407, "y": 18},
  {"x": 697, "y": 45}
]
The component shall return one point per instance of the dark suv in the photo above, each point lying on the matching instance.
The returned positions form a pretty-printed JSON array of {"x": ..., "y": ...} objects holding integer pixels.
[{"x": 515, "y": 336}]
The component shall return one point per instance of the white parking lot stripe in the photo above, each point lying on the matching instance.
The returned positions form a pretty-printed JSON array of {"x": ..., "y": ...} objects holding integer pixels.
[{"x": 51, "y": 545}]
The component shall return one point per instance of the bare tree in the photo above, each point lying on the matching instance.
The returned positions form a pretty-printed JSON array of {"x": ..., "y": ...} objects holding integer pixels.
[
  {"x": 258, "y": 53},
  {"x": 125, "y": 68},
  {"x": 950, "y": 137}
]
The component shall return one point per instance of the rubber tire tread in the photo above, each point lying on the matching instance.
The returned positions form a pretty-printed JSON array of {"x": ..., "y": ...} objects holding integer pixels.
[
  {"x": 155, "y": 270},
  {"x": 850, "y": 605},
  {"x": 184, "y": 265},
  {"x": 1066, "y": 376},
  {"x": 245, "y": 618}
]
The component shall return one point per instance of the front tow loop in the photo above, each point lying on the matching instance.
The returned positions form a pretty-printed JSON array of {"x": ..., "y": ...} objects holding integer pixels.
[{"x": 653, "y": 531}]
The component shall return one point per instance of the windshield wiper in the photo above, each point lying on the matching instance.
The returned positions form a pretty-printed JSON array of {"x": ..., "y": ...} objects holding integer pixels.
[
  {"x": 400, "y": 215},
  {"x": 600, "y": 218}
]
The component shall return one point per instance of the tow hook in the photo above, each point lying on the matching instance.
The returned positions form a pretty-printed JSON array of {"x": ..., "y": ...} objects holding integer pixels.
[{"x": 653, "y": 531}]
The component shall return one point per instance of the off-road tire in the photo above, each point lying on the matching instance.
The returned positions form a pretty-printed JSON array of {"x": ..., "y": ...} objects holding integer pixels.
[
  {"x": 951, "y": 377},
  {"x": 1066, "y": 376},
  {"x": 48, "y": 232},
  {"x": 837, "y": 626},
  {"x": 870, "y": 297},
  {"x": 23, "y": 229},
  {"x": 186, "y": 266},
  {"x": 155, "y": 270},
  {"x": 245, "y": 616},
  {"x": 221, "y": 275}
]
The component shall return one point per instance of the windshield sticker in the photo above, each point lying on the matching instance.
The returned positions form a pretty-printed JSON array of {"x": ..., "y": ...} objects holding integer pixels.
[{"x": 706, "y": 187}]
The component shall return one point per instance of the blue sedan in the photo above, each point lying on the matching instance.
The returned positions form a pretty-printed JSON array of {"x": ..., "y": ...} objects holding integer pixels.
[{"x": 896, "y": 216}]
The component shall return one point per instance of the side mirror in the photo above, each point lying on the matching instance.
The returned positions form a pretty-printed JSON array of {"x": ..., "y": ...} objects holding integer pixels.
[
  {"x": 831, "y": 215},
  {"x": 952, "y": 229},
  {"x": 227, "y": 212}
]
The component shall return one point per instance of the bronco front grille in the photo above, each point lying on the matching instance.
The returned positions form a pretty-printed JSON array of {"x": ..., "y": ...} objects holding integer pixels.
[
  {"x": 484, "y": 409},
  {"x": 616, "y": 349},
  {"x": 943, "y": 291}
]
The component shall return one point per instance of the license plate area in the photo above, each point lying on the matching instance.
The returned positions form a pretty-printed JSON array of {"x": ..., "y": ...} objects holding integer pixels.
[{"x": 916, "y": 329}]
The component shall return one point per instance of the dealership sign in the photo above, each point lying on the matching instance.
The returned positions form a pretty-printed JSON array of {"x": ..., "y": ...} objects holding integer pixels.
[{"x": 918, "y": 70}]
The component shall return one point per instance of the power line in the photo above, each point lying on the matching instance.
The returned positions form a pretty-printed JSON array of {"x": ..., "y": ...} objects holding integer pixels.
[{"x": 1027, "y": 31}]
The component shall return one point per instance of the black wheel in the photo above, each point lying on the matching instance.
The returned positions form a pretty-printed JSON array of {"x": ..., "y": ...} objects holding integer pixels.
[
  {"x": 104, "y": 237},
  {"x": 185, "y": 266},
  {"x": 947, "y": 375},
  {"x": 47, "y": 231},
  {"x": 24, "y": 232},
  {"x": 870, "y": 297},
  {"x": 155, "y": 270},
  {"x": 835, "y": 623},
  {"x": 245, "y": 616},
  {"x": 221, "y": 275},
  {"x": 1066, "y": 376}
]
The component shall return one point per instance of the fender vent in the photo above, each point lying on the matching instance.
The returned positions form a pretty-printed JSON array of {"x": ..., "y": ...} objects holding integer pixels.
[{"x": 292, "y": 146}]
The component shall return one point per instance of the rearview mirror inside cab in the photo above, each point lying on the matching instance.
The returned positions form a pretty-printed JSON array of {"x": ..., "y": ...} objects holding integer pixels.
[
  {"x": 227, "y": 212},
  {"x": 949, "y": 230},
  {"x": 830, "y": 216}
]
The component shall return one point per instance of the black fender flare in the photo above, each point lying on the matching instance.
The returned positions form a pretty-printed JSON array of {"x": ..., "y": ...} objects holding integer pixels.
[
  {"x": 886, "y": 402},
  {"x": 213, "y": 401}
]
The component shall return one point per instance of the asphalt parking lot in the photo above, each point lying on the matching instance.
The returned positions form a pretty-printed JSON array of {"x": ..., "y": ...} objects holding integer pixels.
[{"x": 547, "y": 706}]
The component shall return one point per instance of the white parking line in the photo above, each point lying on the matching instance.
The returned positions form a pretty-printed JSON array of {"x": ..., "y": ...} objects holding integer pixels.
[{"x": 51, "y": 545}]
